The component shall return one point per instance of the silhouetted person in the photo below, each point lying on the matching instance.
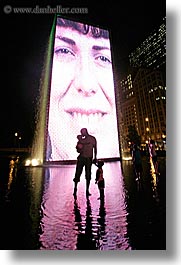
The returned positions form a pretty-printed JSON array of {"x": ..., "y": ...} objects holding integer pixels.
[
  {"x": 137, "y": 161},
  {"x": 100, "y": 179},
  {"x": 87, "y": 147}
]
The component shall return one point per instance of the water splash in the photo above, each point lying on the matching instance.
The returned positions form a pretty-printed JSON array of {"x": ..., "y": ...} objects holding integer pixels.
[{"x": 42, "y": 106}]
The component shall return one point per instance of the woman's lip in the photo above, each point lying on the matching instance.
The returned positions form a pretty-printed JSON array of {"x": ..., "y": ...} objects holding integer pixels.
[
  {"x": 86, "y": 119},
  {"x": 86, "y": 112}
]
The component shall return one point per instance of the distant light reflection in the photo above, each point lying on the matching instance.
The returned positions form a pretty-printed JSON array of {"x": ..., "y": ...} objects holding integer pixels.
[
  {"x": 12, "y": 171},
  {"x": 154, "y": 179}
]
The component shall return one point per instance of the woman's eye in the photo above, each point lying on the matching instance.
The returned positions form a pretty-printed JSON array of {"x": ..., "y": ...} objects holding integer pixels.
[
  {"x": 63, "y": 52},
  {"x": 103, "y": 60}
]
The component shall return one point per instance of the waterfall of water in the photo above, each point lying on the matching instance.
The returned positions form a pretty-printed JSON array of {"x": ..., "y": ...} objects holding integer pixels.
[{"x": 38, "y": 146}]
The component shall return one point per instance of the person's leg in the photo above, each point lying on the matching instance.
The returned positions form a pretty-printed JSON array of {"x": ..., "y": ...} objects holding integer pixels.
[
  {"x": 87, "y": 187},
  {"x": 78, "y": 172},
  {"x": 79, "y": 168},
  {"x": 75, "y": 189},
  {"x": 88, "y": 167},
  {"x": 101, "y": 193}
]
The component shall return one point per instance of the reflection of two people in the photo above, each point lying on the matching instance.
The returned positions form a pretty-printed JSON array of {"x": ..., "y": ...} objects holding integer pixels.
[{"x": 85, "y": 238}]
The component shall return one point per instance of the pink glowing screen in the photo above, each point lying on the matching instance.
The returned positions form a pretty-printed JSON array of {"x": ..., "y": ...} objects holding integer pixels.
[{"x": 82, "y": 92}]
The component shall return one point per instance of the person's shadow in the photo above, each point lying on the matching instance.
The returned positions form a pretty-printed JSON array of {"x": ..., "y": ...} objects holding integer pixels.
[
  {"x": 85, "y": 238},
  {"x": 101, "y": 224}
]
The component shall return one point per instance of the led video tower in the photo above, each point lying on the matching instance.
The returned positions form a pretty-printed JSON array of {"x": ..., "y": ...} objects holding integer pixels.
[{"x": 81, "y": 93}]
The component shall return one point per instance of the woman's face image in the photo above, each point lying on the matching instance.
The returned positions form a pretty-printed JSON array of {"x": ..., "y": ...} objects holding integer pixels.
[{"x": 82, "y": 94}]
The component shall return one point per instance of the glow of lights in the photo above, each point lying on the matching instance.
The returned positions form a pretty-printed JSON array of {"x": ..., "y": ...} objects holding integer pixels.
[
  {"x": 11, "y": 165},
  {"x": 28, "y": 162},
  {"x": 154, "y": 178},
  {"x": 34, "y": 162},
  {"x": 126, "y": 156}
]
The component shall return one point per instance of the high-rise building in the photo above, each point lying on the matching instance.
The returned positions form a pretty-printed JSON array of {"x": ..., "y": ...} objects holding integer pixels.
[
  {"x": 143, "y": 105},
  {"x": 150, "y": 94},
  {"x": 143, "y": 90},
  {"x": 152, "y": 51},
  {"x": 127, "y": 108}
]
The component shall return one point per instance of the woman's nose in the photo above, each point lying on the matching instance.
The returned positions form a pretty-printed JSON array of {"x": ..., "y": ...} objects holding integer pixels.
[{"x": 85, "y": 80}]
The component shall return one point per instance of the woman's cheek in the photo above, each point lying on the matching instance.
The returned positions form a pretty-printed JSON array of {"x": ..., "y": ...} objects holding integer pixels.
[
  {"x": 61, "y": 77},
  {"x": 107, "y": 84}
]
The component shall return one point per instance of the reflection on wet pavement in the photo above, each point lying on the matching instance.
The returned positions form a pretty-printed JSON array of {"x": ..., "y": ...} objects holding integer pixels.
[
  {"x": 39, "y": 211},
  {"x": 83, "y": 223}
]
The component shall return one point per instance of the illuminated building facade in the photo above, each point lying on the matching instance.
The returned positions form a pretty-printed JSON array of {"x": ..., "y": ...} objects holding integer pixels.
[
  {"x": 143, "y": 90},
  {"x": 143, "y": 104},
  {"x": 128, "y": 108},
  {"x": 152, "y": 51},
  {"x": 150, "y": 94}
]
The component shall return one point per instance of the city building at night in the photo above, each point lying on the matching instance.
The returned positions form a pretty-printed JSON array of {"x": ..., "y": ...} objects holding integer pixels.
[
  {"x": 150, "y": 94},
  {"x": 127, "y": 108},
  {"x": 143, "y": 104},
  {"x": 142, "y": 91},
  {"x": 152, "y": 51}
]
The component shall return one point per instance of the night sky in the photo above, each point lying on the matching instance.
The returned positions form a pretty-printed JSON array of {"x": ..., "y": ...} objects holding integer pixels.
[{"x": 23, "y": 44}]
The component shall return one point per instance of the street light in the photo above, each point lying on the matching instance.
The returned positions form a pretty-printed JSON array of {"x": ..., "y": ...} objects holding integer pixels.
[
  {"x": 147, "y": 128},
  {"x": 17, "y": 140}
]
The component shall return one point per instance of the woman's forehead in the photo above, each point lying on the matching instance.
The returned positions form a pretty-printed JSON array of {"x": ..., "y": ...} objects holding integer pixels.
[
  {"x": 85, "y": 29},
  {"x": 75, "y": 37}
]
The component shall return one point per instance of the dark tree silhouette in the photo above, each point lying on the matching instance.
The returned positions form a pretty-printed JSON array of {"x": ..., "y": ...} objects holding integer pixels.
[{"x": 133, "y": 135}]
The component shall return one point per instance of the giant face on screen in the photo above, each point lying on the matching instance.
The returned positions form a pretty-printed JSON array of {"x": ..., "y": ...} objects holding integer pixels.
[{"x": 82, "y": 91}]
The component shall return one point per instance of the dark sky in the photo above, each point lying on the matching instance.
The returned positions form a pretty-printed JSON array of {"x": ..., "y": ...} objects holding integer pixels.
[{"x": 23, "y": 44}]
